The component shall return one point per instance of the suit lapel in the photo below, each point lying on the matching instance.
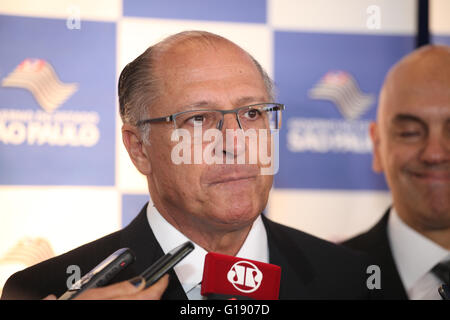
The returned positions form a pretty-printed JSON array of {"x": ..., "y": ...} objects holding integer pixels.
[
  {"x": 380, "y": 249},
  {"x": 297, "y": 274},
  {"x": 139, "y": 237}
]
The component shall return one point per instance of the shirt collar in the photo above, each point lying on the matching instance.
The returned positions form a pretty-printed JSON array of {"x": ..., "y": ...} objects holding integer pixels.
[
  {"x": 414, "y": 254},
  {"x": 190, "y": 270}
]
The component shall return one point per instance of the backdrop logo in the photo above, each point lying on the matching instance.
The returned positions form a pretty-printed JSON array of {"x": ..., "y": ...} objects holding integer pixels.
[
  {"x": 38, "y": 77},
  {"x": 245, "y": 276},
  {"x": 320, "y": 135},
  {"x": 341, "y": 88},
  {"x": 28, "y": 251},
  {"x": 71, "y": 128}
]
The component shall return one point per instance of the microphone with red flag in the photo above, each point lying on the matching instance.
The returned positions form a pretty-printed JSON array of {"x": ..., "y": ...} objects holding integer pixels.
[{"x": 227, "y": 277}]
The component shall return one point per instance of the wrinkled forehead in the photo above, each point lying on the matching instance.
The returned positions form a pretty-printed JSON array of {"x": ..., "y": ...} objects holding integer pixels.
[
  {"x": 220, "y": 73},
  {"x": 195, "y": 57},
  {"x": 190, "y": 70}
]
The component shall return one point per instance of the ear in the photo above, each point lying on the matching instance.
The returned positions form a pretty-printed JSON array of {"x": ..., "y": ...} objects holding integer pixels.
[
  {"x": 375, "y": 137},
  {"x": 136, "y": 148}
]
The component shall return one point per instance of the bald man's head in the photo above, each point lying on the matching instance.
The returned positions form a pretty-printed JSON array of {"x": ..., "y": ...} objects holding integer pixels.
[
  {"x": 199, "y": 81},
  {"x": 140, "y": 81},
  {"x": 423, "y": 72},
  {"x": 412, "y": 137}
]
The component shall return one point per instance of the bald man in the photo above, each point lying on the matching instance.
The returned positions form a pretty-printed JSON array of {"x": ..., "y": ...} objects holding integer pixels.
[
  {"x": 192, "y": 81},
  {"x": 411, "y": 139}
]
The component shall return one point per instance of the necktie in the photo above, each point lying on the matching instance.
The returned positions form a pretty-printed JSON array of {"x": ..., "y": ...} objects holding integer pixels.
[{"x": 442, "y": 271}]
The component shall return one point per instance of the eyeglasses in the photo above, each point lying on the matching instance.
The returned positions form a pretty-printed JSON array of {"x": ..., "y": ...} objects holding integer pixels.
[{"x": 256, "y": 116}]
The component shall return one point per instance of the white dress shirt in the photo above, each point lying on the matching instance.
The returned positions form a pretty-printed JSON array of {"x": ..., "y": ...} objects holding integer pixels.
[
  {"x": 415, "y": 255},
  {"x": 190, "y": 270}
]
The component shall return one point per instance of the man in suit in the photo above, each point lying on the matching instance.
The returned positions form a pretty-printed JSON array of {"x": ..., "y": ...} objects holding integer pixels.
[
  {"x": 189, "y": 81},
  {"x": 411, "y": 141}
]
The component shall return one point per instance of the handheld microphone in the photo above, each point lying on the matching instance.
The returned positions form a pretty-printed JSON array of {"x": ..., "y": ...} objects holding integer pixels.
[
  {"x": 101, "y": 274},
  {"x": 232, "y": 278}
]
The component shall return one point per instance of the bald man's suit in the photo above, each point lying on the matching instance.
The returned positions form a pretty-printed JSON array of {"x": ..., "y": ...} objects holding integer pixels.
[
  {"x": 375, "y": 243},
  {"x": 311, "y": 268}
]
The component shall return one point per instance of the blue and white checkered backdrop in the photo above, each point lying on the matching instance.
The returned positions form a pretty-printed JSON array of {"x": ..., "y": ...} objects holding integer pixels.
[{"x": 65, "y": 177}]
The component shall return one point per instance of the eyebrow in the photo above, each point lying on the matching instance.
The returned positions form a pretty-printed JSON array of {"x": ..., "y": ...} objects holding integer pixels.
[
  {"x": 210, "y": 104},
  {"x": 407, "y": 118},
  {"x": 249, "y": 100},
  {"x": 198, "y": 104}
]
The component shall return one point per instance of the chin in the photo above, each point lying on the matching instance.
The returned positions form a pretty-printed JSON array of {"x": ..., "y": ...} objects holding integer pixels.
[
  {"x": 433, "y": 210},
  {"x": 236, "y": 215},
  {"x": 440, "y": 214},
  {"x": 436, "y": 221}
]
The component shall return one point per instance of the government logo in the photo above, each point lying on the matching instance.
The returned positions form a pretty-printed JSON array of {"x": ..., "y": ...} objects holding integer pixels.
[
  {"x": 341, "y": 88},
  {"x": 322, "y": 135},
  {"x": 39, "y": 77},
  {"x": 52, "y": 125}
]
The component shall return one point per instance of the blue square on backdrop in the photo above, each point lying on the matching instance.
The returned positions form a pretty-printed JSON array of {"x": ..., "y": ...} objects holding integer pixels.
[
  {"x": 441, "y": 39},
  {"x": 253, "y": 11},
  {"x": 57, "y": 102},
  {"x": 329, "y": 84},
  {"x": 131, "y": 206}
]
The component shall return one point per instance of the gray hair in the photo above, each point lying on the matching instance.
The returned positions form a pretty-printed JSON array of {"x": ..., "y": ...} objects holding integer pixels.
[{"x": 138, "y": 81}]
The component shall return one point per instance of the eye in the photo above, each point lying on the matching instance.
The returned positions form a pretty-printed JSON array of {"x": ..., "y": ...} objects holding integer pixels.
[
  {"x": 409, "y": 134},
  {"x": 409, "y": 128},
  {"x": 197, "y": 119},
  {"x": 252, "y": 114}
]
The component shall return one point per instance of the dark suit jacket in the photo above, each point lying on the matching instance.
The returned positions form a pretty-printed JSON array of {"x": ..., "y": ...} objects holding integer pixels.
[
  {"x": 376, "y": 244},
  {"x": 311, "y": 268}
]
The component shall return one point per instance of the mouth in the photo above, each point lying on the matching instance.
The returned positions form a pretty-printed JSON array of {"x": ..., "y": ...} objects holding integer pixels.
[
  {"x": 225, "y": 180},
  {"x": 432, "y": 176},
  {"x": 232, "y": 175}
]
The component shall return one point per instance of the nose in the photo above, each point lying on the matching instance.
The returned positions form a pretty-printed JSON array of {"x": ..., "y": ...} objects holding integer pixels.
[
  {"x": 229, "y": 120},
  {"x": 233, "y": 145},
  {"x": 436, "y": 149}
]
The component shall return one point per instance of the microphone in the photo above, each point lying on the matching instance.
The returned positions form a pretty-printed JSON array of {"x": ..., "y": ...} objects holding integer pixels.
[{"x": 232, "y": 278}]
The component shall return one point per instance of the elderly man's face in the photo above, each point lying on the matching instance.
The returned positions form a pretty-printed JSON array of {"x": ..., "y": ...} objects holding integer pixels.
[
  {"x": 412, "y": 145},
  {"x": 205, "y": 77}
]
